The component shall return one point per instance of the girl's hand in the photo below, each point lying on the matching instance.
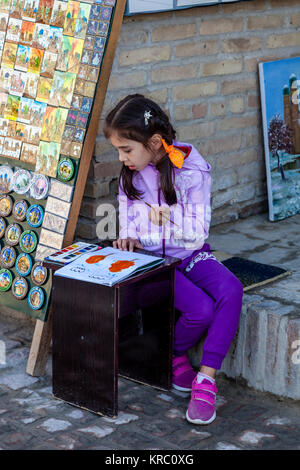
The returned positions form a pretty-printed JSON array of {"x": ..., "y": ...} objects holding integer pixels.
[
  {"x": 159, "y": 215},
  {"x": 127, "y": 243}
]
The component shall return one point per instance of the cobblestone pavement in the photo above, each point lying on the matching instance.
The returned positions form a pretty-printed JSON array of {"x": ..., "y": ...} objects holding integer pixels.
[{"x": 30, "y": 418}]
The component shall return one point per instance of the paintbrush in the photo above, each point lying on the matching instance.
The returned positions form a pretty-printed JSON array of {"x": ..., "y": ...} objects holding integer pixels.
[{"x": 163, "y": 215}]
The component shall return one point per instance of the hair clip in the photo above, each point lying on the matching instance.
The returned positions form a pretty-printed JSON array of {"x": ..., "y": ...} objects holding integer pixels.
[{"x": 147, "y": 116}]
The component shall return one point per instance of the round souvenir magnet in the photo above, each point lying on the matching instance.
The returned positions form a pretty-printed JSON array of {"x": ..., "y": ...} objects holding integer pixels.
[
  {"x": 2, "y": 227},
  {"x": 12, "y": 234},
  {"x": 34, "y": 215},
  {"x": 21, "y": 181},
  {"x": 6, "y": 174},
  {"x": 19, "y": 288},
  {"x": 39, "y": 186},
  {"x": 65, "y": 169},
  {"x": 23, "y": 264},
  {"x": 28, "y": 241},
  {"x": 39, "y": 274},
  {"x": 8, "y": 257},
  {"x": 5, "y": 279},
  {"x": 36, "y": 298},
  {"x": 19, "y": 210},
  {"x": 6, "y": 205}
]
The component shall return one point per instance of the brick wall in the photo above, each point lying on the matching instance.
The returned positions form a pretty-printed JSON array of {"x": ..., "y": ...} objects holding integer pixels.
[{"x": 201, "y": 65}]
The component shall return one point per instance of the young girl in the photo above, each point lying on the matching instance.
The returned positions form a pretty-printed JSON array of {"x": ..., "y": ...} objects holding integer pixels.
[{"x": 174, "y": 180}]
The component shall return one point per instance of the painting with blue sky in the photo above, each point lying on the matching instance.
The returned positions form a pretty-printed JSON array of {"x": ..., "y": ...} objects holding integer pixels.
[{"x": 279, "y": 85}]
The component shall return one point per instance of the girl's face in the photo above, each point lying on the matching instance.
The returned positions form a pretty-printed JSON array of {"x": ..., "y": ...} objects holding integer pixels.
[{"x": 133, "y": 154}]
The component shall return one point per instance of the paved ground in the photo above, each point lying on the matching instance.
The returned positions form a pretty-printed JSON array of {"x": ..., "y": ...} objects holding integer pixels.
[{"x": 30, "y": 418}]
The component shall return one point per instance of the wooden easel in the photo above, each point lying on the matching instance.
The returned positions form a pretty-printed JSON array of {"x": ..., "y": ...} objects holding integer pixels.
[{"x": 43, "y": 330}]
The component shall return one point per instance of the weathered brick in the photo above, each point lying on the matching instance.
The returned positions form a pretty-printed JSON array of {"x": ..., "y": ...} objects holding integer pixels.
[
  {"x": 196, "y": 131},
  {"x": 127, "y": 80},
  {"x": 88, "y": 208},
  {"x": 287, "y": 3},
  {"x": 224, "y": 67},
  {"x": 283, "y": 40},
  {"x": 100, "y": 170},
  {"x": 236, "y": 105},
  {"x": 196, "y": 90},
  {"x": 86, "y": 230},
  {"x": 265, "y": 22},
  {"x": 237, "y": 122},
  {"x": 295, "y": 19},
  {"x": 233, "y": 8},
  {"x": 241, "y": 44},
  {"x": 222, "y": 145},
  {"x": 103, "y": 146},
  {"x": 148, "y": 17},
  {"x": 251, "y": 171},
  {"x": 192, "y": 49},
  {"x": 236, "y": 159},
  {"x": 160, "y": 96},
  {"x": 182, "y": 113},
  {"x": 199, "y": 110},
  {"x": 253, "y": 101},
  {"x": 145, "y": 55},
  {"x": 223, "y": 180},
  {"x": 95, "y": 189},
  {"x": 133, "y": 36},
  {"x": 173, "y": 32},
  {"x": 218, "y": 109},
  {"x": 221, "y": 25},
  {"x": 173, "y": 72},
  {"x": 238, "y": 86}
]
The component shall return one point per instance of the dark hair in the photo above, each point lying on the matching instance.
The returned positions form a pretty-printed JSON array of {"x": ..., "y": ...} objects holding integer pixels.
[{"x": 127, "y": 119}]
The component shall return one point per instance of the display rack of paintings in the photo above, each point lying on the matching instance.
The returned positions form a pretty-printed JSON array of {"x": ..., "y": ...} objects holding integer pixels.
[{"x": 51, "y": 54}]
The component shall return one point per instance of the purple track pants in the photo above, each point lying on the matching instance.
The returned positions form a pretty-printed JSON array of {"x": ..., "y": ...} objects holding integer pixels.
[{"x": 209, "y": 298}]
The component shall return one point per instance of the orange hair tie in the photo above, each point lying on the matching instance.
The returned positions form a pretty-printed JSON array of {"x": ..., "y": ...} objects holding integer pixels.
[{"x": 175, "y": 155}]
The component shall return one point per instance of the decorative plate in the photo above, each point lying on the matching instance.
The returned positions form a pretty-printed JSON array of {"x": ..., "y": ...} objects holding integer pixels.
[
  {"x": 19, "y": 210},
  {"x": 6, "y": 205},
  {"x": 19, "y": 288},
  {"x": 35, "y": 215},
  {"x": 12, "y": 234},
  {"x": 5, "y": 279},
  {"x": 8, "y": 257},
  {"x": 39, "y": 274},
  {"x": 39, "y": 187},
  {"x": 36, "y": 298},
  {"x": 2, "y": 227},
  {"x": 65, "y": 169},
  {"x": 21, "y": 181},
  {"x": 6, "y": 174},
  {"x": 23, "y": 264},
  {"x": 28, "y": 241}
]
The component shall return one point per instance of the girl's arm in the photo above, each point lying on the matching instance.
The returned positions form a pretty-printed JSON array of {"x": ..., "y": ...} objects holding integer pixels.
[{"x": 193, "y": 214}]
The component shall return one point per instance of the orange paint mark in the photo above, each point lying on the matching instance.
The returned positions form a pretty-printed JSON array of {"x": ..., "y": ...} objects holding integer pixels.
[{"x": 119, "y": 265}]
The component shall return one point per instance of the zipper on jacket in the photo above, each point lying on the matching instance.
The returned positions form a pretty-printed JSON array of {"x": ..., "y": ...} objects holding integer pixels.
[{"x": 163, "y": 242}]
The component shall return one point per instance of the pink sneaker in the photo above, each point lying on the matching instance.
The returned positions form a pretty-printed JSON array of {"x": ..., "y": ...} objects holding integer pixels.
[
  {"x": 183, "y": 374},
  {"x": 201, "y": 409}
]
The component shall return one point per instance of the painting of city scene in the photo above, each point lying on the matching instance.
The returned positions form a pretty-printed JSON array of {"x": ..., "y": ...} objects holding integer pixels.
[{"x": 279, "y": 84}]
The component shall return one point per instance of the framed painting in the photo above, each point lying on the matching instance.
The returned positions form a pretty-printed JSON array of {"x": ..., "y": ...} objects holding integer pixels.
[{"x": 279, "y": 85}]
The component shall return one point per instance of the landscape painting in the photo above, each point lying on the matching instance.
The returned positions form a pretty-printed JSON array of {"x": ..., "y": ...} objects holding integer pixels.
[{"x": 279, "y": 84}]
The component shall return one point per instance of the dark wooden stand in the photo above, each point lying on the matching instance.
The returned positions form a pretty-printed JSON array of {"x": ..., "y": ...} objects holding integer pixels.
[{"x": 100, "y": 332}]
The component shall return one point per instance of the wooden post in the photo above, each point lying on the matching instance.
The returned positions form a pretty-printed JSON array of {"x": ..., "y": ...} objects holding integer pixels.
[{"x": 42, "y": 334}]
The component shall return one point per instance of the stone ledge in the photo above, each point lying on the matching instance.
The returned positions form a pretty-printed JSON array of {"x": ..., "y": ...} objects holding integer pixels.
[{"x": 266, "y": 349}]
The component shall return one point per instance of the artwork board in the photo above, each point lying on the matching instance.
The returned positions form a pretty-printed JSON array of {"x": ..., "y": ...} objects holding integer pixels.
[
  {"x": 279, "y": 85},
  {"x": 48, "y": 121}
]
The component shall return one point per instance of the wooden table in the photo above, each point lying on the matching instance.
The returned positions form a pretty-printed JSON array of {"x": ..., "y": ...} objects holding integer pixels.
[{"x": 101, "y": 332}]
